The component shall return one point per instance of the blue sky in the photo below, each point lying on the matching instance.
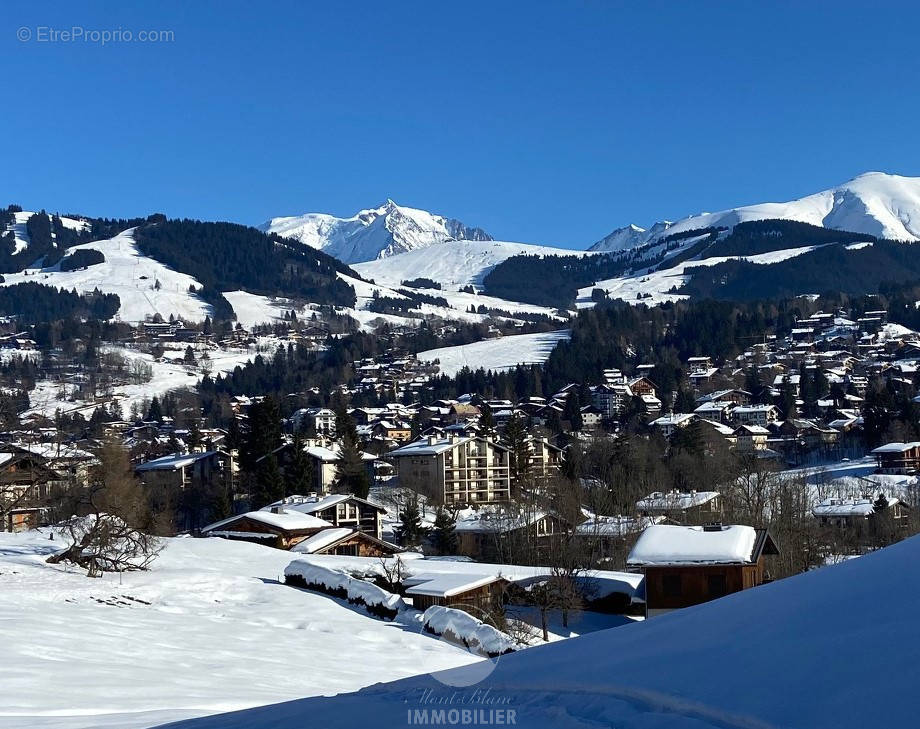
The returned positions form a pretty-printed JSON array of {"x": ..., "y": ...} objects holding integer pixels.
[{"x": 541, "y": 122}]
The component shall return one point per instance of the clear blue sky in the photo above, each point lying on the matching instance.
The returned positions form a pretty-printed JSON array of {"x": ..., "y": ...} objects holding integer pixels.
[{"x": 549, "y": 123}]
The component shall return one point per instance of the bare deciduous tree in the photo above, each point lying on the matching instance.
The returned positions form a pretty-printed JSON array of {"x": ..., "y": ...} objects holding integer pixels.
[{"x": 112, "y": 528}]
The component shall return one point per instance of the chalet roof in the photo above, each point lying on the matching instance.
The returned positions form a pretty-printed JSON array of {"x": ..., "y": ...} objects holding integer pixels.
[
  {"x": 286, "y": 520},
  {"x": 446, "y": 584},
  {"x": 847, "y": 507},
  {"x": 312, "y": 505},
  {"x": 663, "y": 544},
  {"x": 173, "y": 462},
  {"x": 323, "y": 540},
  {"x": 897, "y": 447},
  {"x": 659, "y": 500}
]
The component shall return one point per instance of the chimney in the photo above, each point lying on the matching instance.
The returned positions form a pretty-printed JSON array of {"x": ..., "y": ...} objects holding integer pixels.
[{"x": 277, "y": 509}]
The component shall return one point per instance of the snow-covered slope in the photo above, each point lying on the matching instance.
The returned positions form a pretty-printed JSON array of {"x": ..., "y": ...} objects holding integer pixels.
[
  {"x": 655, "y": 287},
  {"x": 375, "y": 233},
  {"x": 209, "y": 629},
  {"x": 882, "y": 205},
  {"x": 21, "y": 234},
  {"x": 144, "y": 285},
  {"x": 458, "y": 263},
  {"x": 831, "y": 648},
  {"x": 496, "y": 354}
]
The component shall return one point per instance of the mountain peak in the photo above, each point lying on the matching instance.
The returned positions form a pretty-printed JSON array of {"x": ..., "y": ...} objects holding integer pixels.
[{"x": 386, "y": 230}]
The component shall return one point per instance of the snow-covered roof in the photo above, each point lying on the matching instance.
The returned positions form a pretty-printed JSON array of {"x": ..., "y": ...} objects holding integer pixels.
[
  {"x": 446, "y": 584},
  {"x": 897, "y": 447},
  {"x": 675, "y": 500},
  {"x": 323, "y": 539},
  {"x": 285, "y": 519},
  {"x": 847, "y": 507},
  {"x": 663, "y": 544},
  {"x": 173, "y": 462}
]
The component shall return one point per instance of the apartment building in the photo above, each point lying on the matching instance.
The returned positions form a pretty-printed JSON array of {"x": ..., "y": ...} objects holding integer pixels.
[{"x": 455, "y": 469}]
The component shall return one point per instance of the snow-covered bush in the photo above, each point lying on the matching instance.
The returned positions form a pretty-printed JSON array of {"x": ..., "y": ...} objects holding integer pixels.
[
  {"x": 375, "y": 600},
  {"x": 461, "y": 627}
]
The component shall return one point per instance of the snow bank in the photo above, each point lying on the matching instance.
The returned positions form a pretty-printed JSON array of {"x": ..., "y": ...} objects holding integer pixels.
[
  {"x": 461, "y": 627},
  {"x": 808, "y": 651},
  {"x": 376, "y": 600}
]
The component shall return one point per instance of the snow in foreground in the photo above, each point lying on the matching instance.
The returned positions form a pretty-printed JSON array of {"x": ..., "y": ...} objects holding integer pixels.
[
  {"x": 208, "y": 629},
  {"x": 496, "y": 354},
  {"x": 831, "y": 648}
]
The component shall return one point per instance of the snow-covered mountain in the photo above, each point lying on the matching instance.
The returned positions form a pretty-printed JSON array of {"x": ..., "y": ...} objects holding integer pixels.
[
  {"x": 387, "y": 230},
  {"x": 882, "y": 205},
  {"x": 631, "y": 236}
]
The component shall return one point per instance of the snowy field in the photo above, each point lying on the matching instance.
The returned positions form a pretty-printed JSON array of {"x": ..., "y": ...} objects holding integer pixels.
[
  {"x": 209, "y": 629},
  {"x": 129, "y": 274},
  {"x": 496, "y": 354},
  {"x": 808, "y": 652}
]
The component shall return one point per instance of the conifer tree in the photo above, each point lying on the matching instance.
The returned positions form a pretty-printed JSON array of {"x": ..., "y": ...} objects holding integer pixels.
[
  {"x": 444, "y": 534},
  {"x": 411, "y": 531}
]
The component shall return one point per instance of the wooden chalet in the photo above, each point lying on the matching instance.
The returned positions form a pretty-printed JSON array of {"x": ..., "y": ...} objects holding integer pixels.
[
  {"x": 476, "y": 594},
  {"x": 688, "y": 565}
]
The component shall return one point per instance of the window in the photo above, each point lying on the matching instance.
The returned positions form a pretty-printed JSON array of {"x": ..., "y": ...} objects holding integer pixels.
[
  {"x": 671, "y": 585},
  {"x": 717, "y": 586}
]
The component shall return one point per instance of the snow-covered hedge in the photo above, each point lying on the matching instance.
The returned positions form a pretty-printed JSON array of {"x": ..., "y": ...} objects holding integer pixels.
[
  {"x": 461, "y": 627},
  {"x": 375, "y": 600}
]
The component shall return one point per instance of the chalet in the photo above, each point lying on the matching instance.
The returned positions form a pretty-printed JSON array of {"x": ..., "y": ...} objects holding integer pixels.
[
  {"x": 591, "y": 417},
  {"x": 320, "y": 420},
  {"x": 276, "y": 527},
  {"x": 761, "y": 415},
  {"x": 340, "y": 510},
  {"x": 750, "y": 437},
  {"x": 495, "y": 531},
  {"x": 27, "y": 481},
  {"x": 455, "y": 469},
  {"x": 860, "y": 513},
  {"x": 183, "y": 470},
  {"x": 477, "y": 594},
  {"x": 667, "y": 424},
  {"x": 898, "y": 458},
  {"x": 685, "y": 507},
  {"x": 688, "y": 565},
  {"x": 729, "y": 397},
  {"x": 400, "y": 432},
  {"x": 347, "y": 542}
]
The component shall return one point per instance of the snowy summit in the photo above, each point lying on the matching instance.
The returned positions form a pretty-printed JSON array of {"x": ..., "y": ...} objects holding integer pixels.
[{"x": 378, "y": 232}]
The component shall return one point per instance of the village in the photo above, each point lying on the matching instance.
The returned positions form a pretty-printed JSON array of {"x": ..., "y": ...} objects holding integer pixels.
[{"x": 483, "y": 504}]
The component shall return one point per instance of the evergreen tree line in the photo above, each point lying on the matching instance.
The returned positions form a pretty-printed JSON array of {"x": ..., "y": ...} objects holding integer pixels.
[
  {"x": 33, "y": 303},
  {"x": 227, "y": 256}
]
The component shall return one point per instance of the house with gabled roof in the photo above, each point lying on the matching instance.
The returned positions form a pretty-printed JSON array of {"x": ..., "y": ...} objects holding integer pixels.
[{"x": 688, "y": 565}]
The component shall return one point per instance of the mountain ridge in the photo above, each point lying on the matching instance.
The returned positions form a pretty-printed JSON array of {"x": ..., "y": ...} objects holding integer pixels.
[
  {"x": 373, "y": 233},
  {"x": 879, "y": 204}
]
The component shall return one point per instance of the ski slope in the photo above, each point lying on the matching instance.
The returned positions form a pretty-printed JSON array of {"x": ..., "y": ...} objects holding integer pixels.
[
  {"x": 835, "y": 647},
  {"x": 453, "y": 264},
  {"x": 131, "y": 275},
  {"x": 209, "y": 629},
  {"x": 496, "y": 354},
  {"x": 654, "y": 287}
]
